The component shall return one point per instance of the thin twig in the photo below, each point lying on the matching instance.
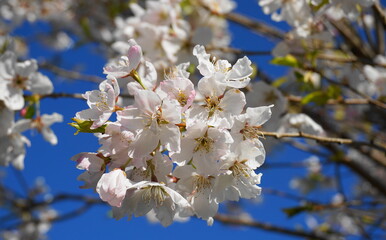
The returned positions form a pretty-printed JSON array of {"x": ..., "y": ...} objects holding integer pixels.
[
  {"x": 255, "y": 25},
  {"x": 237, "y": 51},
  {"x": 341, "y": 101},
  {"x": 69, "y": 74},
  {"x": 269, "y": 227}
]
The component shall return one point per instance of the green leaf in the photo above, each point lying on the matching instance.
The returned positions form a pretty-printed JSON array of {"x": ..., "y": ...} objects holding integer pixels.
[
  {"x": 85, "y": 24},
  {"x": 84, "y": 126},
  {"x": 293, "y": 211},
  {"x": 278, "y": 82},
  {"x": 288, "y": 60},
  {"x": 30, "y": 113},
  {"x": 321, "y": 4},
  {"x": 318, "y": 97},
  {"x": 186, "y": 7},
  {"x": 333, "y": 92}
]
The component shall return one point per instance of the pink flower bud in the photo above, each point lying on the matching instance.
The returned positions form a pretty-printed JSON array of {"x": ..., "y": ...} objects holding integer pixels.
[
  {"x": 134, "y": 55},
  {"x": 112, "y": 187}
]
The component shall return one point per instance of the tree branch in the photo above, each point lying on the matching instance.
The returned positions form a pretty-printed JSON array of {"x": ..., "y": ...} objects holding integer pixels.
[{"x": 323, "y": 139}]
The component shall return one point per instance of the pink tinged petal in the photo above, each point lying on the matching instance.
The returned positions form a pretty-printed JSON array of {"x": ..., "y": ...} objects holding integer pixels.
[
  {"x": 206, "y": 164},
  {"x": 90, "y": 179},
  {"x": 196, "y": 114},
  {"x": 145, "y": 143},
  {"x": 111, "y": 97},
  {"x": 147, "y": 101},
  {"x": 211, "y": 87},
  {"x": 88, "y": 161},
  {"x": 233, "y": 101},
  {"x": 247, "y": 151},
  {"x": 88, "y": 114},
  {"x": 170, "y": 137},
  {"x": 102, "y": 119},
  {"x": 149, "y": 78},
  {"x": 259, "y": 115},
  {"x": 171, "y": 111},
  {"x": 115, "y": 71},
  {"x": 205, "y": 66},
  {"x": 221, "y": 120},
  {"x": 186, "y": 152},
  {"x": 238, "y": 76},
  {"x": 130, "y": 118},
  {"x": 114, "y": 83}
]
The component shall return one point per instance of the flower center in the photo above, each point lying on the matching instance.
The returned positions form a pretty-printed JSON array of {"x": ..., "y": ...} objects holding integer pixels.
[
  {"x": 102, "y": 103},
  {"x": 156, "y": 193},
  {"x": 201, "y": 182},
  {"x": 212, "y": 105},
  {"x": 240, "y": 169},
  {"x": 204, "y": 143},
  {"x": 251, "y": 132}
]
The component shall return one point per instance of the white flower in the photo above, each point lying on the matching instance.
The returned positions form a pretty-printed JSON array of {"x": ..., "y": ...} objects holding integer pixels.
[
  {"x": 294, "y": 12},
  {"x": 12, "y": 148},
  {"x": 218, "y": 111},
  {"x": 101, "y": 103},
  {"x": 200, "y": 190},
  {"x": 222, "y": 71},
  {"x": 153, "y": 121},
  {"x": 180, "y": 89},
  {"x": 248, "y": 124},
  {"x": 220, "y": 6},
  {"x": 165, "y": 202},
  {"x": 94, "y": 166},
  {"x": 292, "y": 122},
  {"x": 42, "y": 124},
  {"x": 116, "y": 144},
  {"x": 376, "y": 77},
  {"x": 18, "y": 76},
  {"x": 205, "y": 147},
  {"x": 127, "y": 64},
  {"x": 158, "y": 168}
]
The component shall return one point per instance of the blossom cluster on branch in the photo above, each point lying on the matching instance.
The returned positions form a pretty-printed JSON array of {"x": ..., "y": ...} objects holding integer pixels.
[{"x": 174, "y": 152}]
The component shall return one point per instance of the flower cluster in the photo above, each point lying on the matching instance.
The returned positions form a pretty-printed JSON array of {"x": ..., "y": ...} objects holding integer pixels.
[
  {"x": 17, "y": 78},
  {"x": 176, "y": 151},
  {"x": 168, "y": 29}
]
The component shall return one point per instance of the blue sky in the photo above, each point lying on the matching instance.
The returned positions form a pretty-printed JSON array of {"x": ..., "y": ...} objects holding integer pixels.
[{"x": 53, "y": 163}]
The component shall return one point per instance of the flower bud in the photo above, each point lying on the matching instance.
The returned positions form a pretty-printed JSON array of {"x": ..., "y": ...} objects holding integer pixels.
[{"x": 112, "y": 187}]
